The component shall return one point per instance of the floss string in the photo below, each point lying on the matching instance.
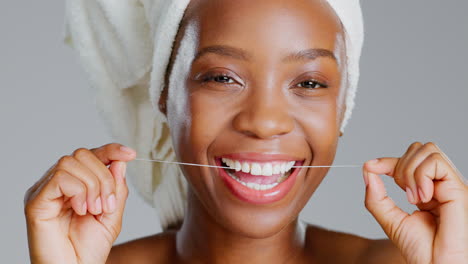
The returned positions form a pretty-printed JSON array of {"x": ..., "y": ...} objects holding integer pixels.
[{"x": 212, "y": 166}]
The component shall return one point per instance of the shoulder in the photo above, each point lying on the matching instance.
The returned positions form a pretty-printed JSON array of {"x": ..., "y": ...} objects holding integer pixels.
[
  {"x": 332, "y": 245},
  {"x": 158, "y": 248},
  {"x": 339, "y": 247}
]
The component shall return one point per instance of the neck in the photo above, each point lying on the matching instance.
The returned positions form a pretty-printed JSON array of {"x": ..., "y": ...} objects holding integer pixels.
[{"x": 202, "y": 240}]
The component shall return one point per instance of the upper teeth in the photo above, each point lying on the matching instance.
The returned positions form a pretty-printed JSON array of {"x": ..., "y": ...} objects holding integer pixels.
[{"x": 255, "y": 168}]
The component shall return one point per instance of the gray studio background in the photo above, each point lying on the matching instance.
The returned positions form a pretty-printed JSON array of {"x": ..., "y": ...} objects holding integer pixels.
[{"x": 413, "y": 87}]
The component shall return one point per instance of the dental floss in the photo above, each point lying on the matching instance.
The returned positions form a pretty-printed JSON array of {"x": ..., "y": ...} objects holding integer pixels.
[
  {"x": 202, "y": 165},
  {"x": 212, "y": 166}
]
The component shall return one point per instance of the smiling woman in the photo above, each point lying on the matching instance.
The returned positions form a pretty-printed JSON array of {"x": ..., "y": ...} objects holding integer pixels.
[
  {"x": 264, "y": 114},
  {"x": 257, "y": 89}
]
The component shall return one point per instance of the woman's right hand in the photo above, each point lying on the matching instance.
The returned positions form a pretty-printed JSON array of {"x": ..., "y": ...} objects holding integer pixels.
[{"x": 74, "y": 212}]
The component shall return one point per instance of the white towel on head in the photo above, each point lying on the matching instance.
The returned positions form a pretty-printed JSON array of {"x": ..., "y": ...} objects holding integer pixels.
[{"x": 124, "y": 47}]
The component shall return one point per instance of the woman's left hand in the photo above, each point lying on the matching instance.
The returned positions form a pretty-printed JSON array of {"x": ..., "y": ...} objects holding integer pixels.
[{"x": 438, "y": 231}]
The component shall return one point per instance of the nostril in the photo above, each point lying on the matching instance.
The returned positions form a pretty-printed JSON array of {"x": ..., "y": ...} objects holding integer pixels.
[
  {"x": 265, "y": 132},
  {"x": 264, "y": 122},
  {"x": 254, "y": 134}
]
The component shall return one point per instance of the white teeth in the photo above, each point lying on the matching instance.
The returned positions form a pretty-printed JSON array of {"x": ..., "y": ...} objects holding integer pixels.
[
  {"x": 267, "y": 169},
  {"x": 283, "y": 167},
  {"x": 253, "y": 185},
  {"x": 289, "y": 165},
  {"x": 256, "y": 186},
  {"x": 277, "y": 169},
  {"x": 245, "y": 167},
  {"x": 255, "y": 168},
  {"x": 237, "y": 166},
  {"x": 232, "y": 165}
]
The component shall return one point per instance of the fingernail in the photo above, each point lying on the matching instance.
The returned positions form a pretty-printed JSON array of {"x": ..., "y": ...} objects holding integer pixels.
[
  {"x": 111, "y": 202},
  {"x": 127, "y": 150},
  {"x": 98, "y": 205},
  {"x": 421, "y": 195},
  {"x": 409, "y": 195},
  {"x": 373, "y": 161}
]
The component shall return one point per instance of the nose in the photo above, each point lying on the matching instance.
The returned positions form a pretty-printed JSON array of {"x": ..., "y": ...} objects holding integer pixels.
[{"x": 264, "y": 116}]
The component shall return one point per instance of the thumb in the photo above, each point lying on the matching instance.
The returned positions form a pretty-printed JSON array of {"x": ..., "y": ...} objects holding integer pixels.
[
  {"x": 382, "y": 207},
  {"x": 114, "y": 220},
  {"x": 384, "y": 165}
]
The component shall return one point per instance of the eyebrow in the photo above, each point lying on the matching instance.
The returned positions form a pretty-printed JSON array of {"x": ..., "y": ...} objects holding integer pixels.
[{"x": 241, "y": 54}]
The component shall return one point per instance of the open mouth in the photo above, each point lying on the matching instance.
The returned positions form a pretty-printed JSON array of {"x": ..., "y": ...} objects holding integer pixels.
[
  {"x": 258, "y": 175},
  {"x": 258, "y": 179}
]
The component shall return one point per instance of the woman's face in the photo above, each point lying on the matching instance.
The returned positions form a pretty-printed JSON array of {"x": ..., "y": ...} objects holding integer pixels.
[{"x": 265, "y": 91}]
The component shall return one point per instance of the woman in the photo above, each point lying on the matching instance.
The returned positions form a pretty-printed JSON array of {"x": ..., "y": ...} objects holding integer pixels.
[{"x": 266, "y": 88}]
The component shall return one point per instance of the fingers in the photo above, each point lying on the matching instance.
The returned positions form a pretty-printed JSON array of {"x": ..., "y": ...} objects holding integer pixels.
[
  {"x": 382, "y": 166},
  {"x": 114, "y": 220},
  {"x": 404, "y": 160},
  {"x": 414, "y": 161},
  {"x": 388, "y": 215},
  {"x": 403, "y": 172},
  {"x": 96, "y": 160},
  {"x": 62, "y": 184},
  {"x": 392, "y": 167},
  {"x": 113, "y": 151},
  {"x": 93, "y": 185},
  {"x": 415, "y": 171},
  {"x": 71, "y": 187},
  {"x": 118, "y": 168},
  {"x": 423, "y": 176},
  {"x": 435, "y": 167},
  {"x": 106, "y": 201},
  {"x": 83, "y": 181},
  {"x": 456, "y": 175},
  {"x": 400, "y": 169}
]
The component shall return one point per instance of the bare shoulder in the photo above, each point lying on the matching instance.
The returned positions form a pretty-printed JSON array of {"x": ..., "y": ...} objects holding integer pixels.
[
  {"x": 158, "y": 248},
  {"x": 335, "y": 247},
  {"x": 338, "y": 247}
]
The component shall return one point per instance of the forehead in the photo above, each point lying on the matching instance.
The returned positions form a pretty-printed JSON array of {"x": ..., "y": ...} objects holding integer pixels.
[{"x": 265, "y": 26}]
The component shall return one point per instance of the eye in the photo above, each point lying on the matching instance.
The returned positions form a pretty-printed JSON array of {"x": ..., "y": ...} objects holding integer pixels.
[
  {"x": 312, "y": 84},
  {"x": 221, "y": 78}
]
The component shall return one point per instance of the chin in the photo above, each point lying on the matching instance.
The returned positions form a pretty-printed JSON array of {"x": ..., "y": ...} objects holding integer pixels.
[{"x": 260, "y": 223}]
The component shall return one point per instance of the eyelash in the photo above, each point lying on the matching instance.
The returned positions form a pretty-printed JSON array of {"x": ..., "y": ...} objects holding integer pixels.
[
  {"x": 213, "y": 77},
  {"x": 316, "y": 83}
]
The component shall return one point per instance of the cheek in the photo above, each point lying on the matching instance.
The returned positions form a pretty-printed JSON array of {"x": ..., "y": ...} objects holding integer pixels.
[
  {"x": 320, "y": 130},
  {"x": 319, "y": 121},
  {"x": 200, "y": 120}
]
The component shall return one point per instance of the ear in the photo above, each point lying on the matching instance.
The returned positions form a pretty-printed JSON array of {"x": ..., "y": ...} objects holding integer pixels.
[{"x": 162, "y": 101}]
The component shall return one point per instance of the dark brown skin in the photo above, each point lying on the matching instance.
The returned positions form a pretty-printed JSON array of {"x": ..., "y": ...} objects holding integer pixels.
[
  {"x": 266, "y": 105},
  {"x": 263, "y": 108}
]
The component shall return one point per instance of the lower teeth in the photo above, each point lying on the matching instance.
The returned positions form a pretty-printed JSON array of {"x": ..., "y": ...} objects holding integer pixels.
[{"x": 257, "y": 186}]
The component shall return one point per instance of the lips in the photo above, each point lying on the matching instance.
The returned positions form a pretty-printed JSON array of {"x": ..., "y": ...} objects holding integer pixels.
[{"x": 253, "y": 186}]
